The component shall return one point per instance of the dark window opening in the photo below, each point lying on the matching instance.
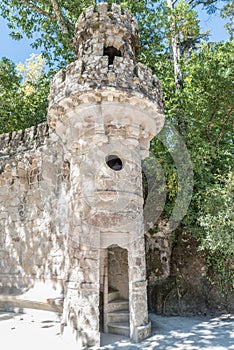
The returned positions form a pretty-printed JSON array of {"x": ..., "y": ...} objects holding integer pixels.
[
  {"x": 114, "y": 162},
  {"x": 111, "y": 52}
]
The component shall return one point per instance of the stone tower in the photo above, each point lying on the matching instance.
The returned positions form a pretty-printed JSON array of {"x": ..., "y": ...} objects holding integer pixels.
[{"x": 105, "y": 108}]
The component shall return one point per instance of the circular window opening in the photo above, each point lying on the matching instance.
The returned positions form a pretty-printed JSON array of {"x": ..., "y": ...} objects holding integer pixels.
[{"x": 114, "y": 162}]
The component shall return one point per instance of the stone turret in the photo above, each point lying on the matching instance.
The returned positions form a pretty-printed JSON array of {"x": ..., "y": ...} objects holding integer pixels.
[
  {"x": 106, "y": 43},
  {"x": 98, "y": 31},
  {"x": 105, "y": 108}
]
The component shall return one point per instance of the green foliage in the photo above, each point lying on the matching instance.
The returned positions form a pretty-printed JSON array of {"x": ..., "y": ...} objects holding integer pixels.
[
  {"x": 227, "y": 12},
  {"x": 40, "y": 18},
  {"x": 23, "y": 95},
  {"x": 206, "y": 103},
  {"x": 208, "y": 88},
  {"x": 216, "y": 217},
  {"x": 202, "y": 110}
]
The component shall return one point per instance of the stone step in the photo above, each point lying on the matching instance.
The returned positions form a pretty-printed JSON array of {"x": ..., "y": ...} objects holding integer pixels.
[
  {"x": 112, "y": 295},
  {"x": 118, "y": 304},
  {"x": 121, "y": 328},
  {"x": 10, "y": 302},
  {"x": 118, "y": 316},
  {"x": 56, "y": 303}
]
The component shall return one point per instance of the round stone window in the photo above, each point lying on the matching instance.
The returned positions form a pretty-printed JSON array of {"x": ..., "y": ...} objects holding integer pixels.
[{"x": 114, "y": 162}]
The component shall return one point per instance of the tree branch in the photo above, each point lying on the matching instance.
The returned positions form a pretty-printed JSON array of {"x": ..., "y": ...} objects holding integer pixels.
[
  {"x": 175, "y": 47},
  {"x": 190, "y": 2},
  {"x": 208, "y": 128},
  {"x": 223, "y": 127},
  {"x": 38, "y": 9},
  {"x": 59, "y": 16}
]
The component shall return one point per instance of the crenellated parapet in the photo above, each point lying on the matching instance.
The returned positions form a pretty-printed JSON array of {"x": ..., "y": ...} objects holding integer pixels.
[
  {"x": 18, "y": 142},
  {"x": 95, "y": 74}
]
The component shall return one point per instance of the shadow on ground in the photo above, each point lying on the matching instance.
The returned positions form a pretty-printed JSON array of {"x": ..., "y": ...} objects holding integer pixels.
[
  {"x": 184, "y": 333},
  {"x": 36, "y": 330}
]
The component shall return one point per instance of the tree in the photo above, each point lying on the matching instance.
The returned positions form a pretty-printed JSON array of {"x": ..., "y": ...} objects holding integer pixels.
[
  {"x": 9, "y": 85},
  {"x": 209, "y": 86},
  {"x": 209, "y": 110},
  {"x": 201, "y": 107},
  {"x": 23, "y": 94},
  {"x": 227, "y": 12},
  {"x": 216, "y": 219}
]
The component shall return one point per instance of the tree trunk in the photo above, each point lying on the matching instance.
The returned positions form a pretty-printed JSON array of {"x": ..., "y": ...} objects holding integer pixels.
[{"x": 175, "y": 47}]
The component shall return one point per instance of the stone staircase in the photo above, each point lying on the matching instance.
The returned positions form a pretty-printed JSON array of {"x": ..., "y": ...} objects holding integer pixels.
[{"x": 118, "y": 314}]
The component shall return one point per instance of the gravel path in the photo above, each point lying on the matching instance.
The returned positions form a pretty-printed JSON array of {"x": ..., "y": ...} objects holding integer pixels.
[{"x": 34, "y": 330}]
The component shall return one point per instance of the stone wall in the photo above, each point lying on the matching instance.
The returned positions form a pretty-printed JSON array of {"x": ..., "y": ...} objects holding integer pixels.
[
  {"x": 118, "y": 270},
  {"x": 32, "y": 214}
]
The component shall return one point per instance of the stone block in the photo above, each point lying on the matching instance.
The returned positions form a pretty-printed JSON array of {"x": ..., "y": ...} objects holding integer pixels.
[
  {"x": 141, "y": 332},
  {"x": 102, "y": 9},
  {"x": 98, "y": 49},
  {"x": 89, "y": 11},
  {"x": 116, "y": 9}
]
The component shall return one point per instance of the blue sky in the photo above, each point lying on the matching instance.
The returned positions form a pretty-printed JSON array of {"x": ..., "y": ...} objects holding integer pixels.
[{"x": 18, "y": 51}]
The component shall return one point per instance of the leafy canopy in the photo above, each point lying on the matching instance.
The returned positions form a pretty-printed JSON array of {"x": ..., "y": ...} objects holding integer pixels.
[{"x": 23, "y": 93}]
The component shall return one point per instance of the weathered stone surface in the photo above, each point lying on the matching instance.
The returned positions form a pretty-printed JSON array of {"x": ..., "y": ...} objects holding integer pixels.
[{"x": 32, "y": 242}]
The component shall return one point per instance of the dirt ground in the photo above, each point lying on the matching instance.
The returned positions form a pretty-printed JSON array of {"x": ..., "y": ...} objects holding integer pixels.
[{"x": 34, "y": 330}]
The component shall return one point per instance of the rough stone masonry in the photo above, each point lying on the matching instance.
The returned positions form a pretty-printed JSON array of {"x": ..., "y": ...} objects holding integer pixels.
[{"x": 71, "y": 190}]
